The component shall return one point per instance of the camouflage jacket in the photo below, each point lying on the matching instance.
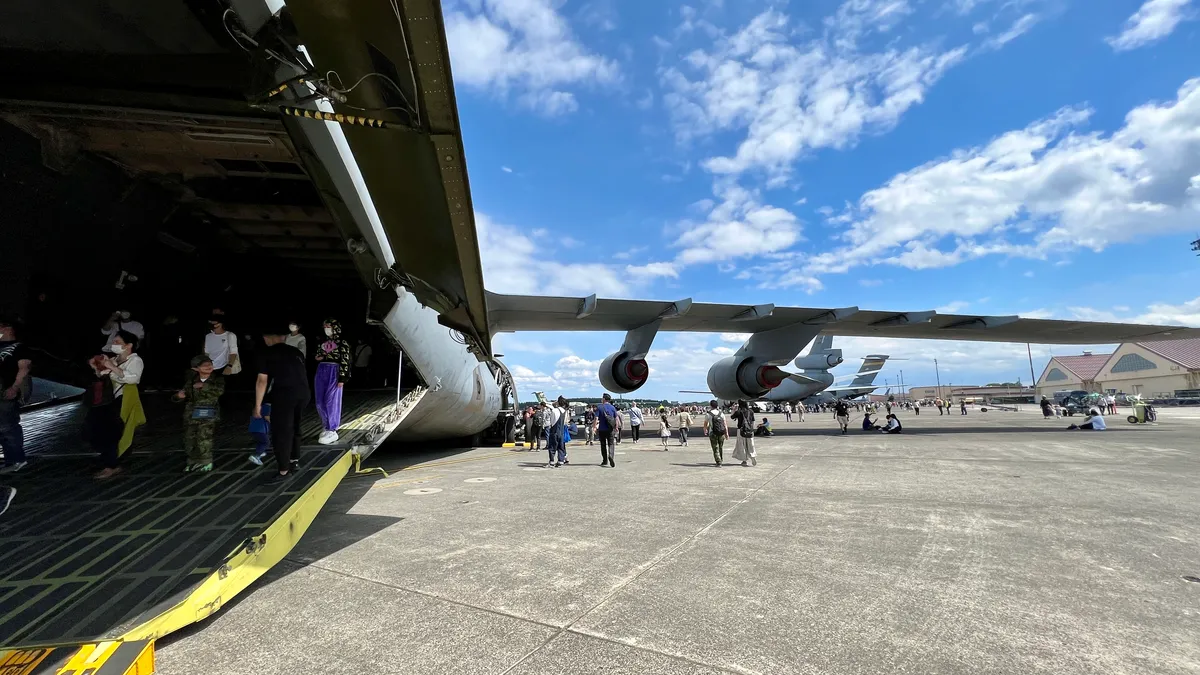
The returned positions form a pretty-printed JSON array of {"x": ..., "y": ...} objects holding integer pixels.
[{"x": 208, "y": 395}]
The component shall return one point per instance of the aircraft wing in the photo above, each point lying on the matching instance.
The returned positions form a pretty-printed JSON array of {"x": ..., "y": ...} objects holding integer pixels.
[{"x": 509, "y": 313}]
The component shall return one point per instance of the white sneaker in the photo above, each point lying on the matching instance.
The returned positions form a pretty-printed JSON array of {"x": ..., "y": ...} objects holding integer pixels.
[
  {"x": 327, "y": 437},
  {"x": 13, "y": 468}
]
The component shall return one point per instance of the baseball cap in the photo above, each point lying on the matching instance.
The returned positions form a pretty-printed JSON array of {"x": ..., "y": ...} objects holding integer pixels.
[{"x": 200, "y": 360}]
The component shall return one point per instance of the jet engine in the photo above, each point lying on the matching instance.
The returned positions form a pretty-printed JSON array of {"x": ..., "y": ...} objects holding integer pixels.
[
  {"x": 820, "y": 360},
  {"x": 621, "y": 374},
  {"x": 735, "y": 377}
]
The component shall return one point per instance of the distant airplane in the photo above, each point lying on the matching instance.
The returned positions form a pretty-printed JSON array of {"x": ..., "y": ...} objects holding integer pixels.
[{"x": 814, "y": 382}]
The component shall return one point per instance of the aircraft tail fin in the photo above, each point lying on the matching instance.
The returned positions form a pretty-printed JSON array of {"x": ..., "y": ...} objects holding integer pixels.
[{"x": 870, "y": 369}]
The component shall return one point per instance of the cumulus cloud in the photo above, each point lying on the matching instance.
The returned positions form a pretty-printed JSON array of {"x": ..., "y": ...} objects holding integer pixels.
[
  {"x": 524, "y": 47},
  {"x": 739, "y": 226},
  {"x": 1033, "y": 192},
  {"x": 512, "y": 263},
  {"x": 795, "y": 96},
  {"x": 1019, "y": 28},
  {"x": 1153, "y": 21}
]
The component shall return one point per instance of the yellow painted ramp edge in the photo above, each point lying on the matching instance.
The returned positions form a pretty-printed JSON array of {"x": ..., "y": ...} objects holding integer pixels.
[{"x": 247, "y": 565}]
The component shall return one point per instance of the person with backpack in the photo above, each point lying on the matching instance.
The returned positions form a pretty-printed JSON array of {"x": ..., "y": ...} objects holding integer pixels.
[
  {"x": 716, "y": 429},
  {"x": 607, "y": 422},
  {"x": 743, "y": 448}
]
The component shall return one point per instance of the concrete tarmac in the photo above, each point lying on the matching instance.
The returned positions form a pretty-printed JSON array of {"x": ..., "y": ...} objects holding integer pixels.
[{"x": 991, "y": 543}]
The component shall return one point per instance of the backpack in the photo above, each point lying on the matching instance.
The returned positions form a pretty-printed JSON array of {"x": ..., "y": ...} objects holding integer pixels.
[
  {"x": 609, "y": 419},
  {"x": 717, "y": 423}
]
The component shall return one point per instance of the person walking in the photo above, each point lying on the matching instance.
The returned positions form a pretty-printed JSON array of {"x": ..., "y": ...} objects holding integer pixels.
[
  {"x": 15, "y": 384},
  {"x": 841, "y": 412},
  {"x": 283, "y": 381},
  {"x": 635, "y": 421},
  {"x": 916, "y": 407},
  {"x": 664, "y": 428},
  {"x": 685, "y": 423},
  {"x": 716, "y": 429},
  {"x": 607, "y": 422},
  {"x": 962, "y": 404},
  {"x": 333, "y": 369},
  {"x": 743, "y": 447},
  {"x": 124, "y": 371},
  {"x": 787, "y": 412},
  {"x": 620, "y": 428}
]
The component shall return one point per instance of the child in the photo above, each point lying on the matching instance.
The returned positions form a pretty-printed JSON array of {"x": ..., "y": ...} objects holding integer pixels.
[
  {"x": 260, "y": 431},
  {"x": 202, "y": 390},
  {"x": 664, "y": 429}
]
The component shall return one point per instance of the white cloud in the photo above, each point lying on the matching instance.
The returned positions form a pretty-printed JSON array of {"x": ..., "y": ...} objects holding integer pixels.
[
  {"x": 870, "y": 283},
  {"x": 652, "y": 270},
  {"x": 513, "y": 263},
  {"x": 1153, "y": 21},
  {"x": 1036, "y": 192},
  {"x": 739, "y": 226},
  {"x": 953, "y": 307},
  {"x": 506, "y": 169},
  {"x": 737, "y": 338},
  {"x": 525, "y": 47},
  {"x": 792, "y": 96},
  {"x": 1019, "y": 28}
]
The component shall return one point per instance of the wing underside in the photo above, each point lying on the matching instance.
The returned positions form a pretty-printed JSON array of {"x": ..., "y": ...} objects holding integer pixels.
[{"x": 508, "y": 313}]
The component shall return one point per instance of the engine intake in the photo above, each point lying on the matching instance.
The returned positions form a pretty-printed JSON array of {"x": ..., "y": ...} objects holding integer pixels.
[
  {"x": 621, "y": 374},
  {"x": 736, "y": 377},
  {"x": 820, "y": 360}
]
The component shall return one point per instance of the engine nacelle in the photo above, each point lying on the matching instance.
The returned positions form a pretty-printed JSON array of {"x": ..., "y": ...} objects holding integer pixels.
[
  {"x": 621, "y": 374},
  {"x": 735, "y": 377},
  {"x": 820, "y": 360}
]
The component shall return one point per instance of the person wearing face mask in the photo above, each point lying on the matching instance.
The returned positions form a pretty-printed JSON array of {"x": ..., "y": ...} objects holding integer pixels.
[
  {"x": 296, "y": 339},
  {"x": 110, "y": 425},
  {"x": 120, "y": 321},
  {"x": 333, "y": 369},
  {"x": 15, "y": 384}
]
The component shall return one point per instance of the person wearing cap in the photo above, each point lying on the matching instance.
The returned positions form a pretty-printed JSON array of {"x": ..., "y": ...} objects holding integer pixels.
[
  {"x": 202, "y": 391},
  {"x": 283, "y": 379}
]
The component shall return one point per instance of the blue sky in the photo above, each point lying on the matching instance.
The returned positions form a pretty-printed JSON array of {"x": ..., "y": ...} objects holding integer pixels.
[{"x": 1038, "y": 157}]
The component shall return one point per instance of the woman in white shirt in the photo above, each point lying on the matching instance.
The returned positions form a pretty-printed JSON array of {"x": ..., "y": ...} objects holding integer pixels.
[{"x": 112, "y": 424}]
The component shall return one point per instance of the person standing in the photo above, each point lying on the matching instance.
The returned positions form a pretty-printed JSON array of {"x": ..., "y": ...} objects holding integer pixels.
[
  {"x": 120, "y": 321},
  {"x": 743, "y": 447},
  {"x": 716, "y": 429},
  {"x": 222, "y": 347},
  {"x": 554, "y": 428},
  {"x": 916, "y": 407},
  {"x": 589, "y": 423},
  {"x": 962, "y": 404},
  {"x": 283, "y": 377},
  {"x": 635, "y": 421},
  {"x": 664, "y": 428},
  {"x": 296, "y": 339},
  {"x": 333, "y": 369},
  {"x": 938, "y": 402},
  {"x": 620, "y": 427},
  {"x": 607, "y": 422},
  {"x": 202, "y": 391},
  {"x": 787, "y": 411},
  {"x": 685, "y": 422},
  {"x": 15, "y": 385},
  {"x": 124, "y": 370}
]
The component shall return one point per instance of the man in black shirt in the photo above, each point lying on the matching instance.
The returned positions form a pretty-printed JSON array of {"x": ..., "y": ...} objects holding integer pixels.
[
  {"x": 14, "y": 386},
  {"x": 282, "y": 374},
  {"x": 841, "y": 411}
]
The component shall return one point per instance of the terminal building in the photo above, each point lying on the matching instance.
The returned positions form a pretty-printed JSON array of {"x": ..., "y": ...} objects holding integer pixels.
[{"x": 1155, "y": 370}]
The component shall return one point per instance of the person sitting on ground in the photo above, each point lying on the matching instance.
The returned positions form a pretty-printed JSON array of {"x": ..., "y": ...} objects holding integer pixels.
[
  {"x": 764, "y": 428},
  {"x": 893, "y": 425},
  {"x": 1093, "y": 422},
  {"x": 868, "y": 424}
]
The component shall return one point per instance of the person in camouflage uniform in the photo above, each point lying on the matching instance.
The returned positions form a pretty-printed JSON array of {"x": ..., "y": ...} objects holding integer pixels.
[{"x": 201, "y": 390}]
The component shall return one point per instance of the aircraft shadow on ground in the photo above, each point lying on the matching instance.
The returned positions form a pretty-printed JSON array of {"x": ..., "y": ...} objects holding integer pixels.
[
  {"x": 335, "y": 527},
  {"x": 913, "y": 430}
]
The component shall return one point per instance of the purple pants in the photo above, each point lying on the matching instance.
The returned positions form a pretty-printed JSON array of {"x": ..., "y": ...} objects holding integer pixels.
[{"x": 329, "y": 396}]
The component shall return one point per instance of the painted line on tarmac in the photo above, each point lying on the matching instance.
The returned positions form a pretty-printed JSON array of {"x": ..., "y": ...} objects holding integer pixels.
[
  {"x": 402, "y": 483},
  {"x": 448, "y": 462}
]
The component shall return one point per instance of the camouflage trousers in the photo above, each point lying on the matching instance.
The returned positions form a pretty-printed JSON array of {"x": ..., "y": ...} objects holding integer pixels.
[
  {"x": 718, "y": 445},
  {"x": 198, "y": 440}
]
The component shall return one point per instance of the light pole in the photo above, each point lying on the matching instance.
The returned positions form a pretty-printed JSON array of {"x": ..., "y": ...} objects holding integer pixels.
[{"x": 939, "y": 377}]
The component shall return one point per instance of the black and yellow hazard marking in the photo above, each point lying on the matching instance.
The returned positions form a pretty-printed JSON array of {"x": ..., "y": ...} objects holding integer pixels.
[
  {"x": 109, "y": 657},
  {"x": 153, "y": 549},
  {"x": 333, "y": 117}
]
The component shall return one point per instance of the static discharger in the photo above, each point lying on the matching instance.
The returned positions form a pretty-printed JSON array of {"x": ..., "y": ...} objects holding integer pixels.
[{"x": 333, "y": 117}]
